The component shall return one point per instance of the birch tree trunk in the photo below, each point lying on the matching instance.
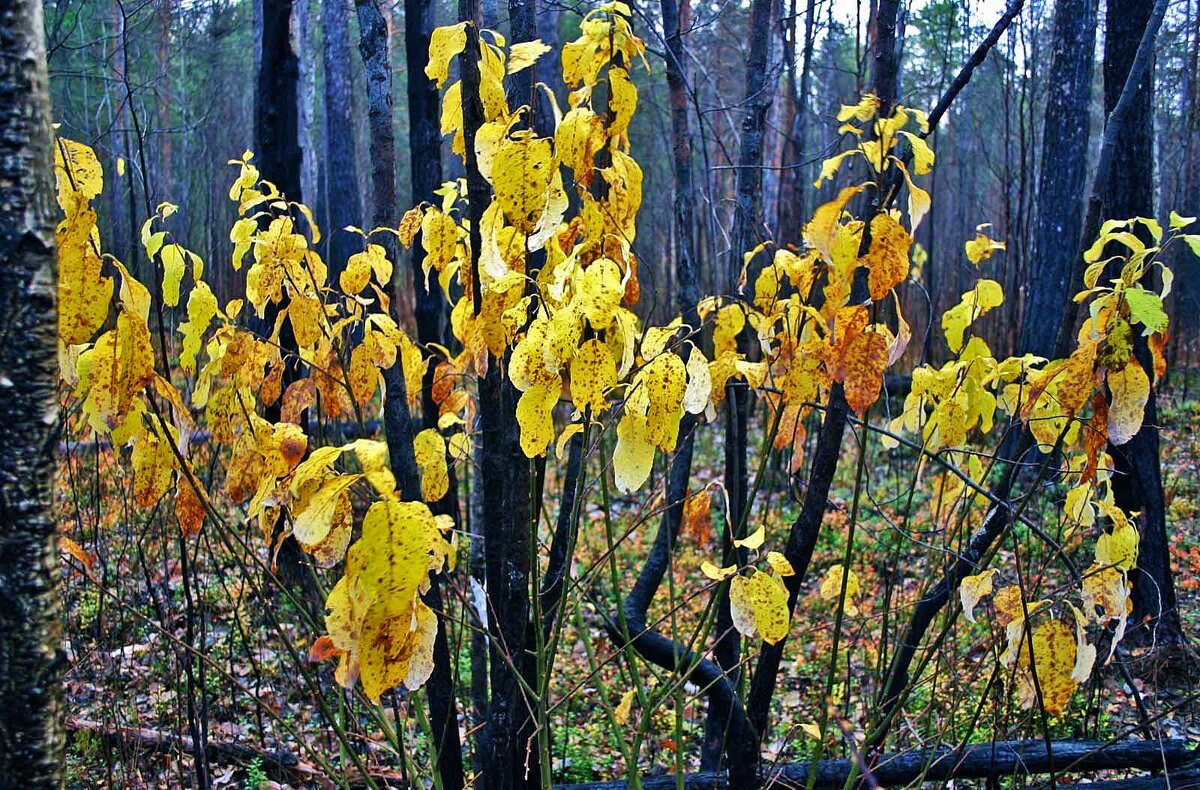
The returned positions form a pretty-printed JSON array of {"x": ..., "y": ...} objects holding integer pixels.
[{"x": 31, "y": 660}]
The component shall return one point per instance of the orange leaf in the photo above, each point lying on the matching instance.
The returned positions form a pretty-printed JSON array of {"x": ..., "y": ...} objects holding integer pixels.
[
  {"x": 322, "y": 650},
  {"x": 80, "y": 553},
  {"x": 865, "y": 361}
]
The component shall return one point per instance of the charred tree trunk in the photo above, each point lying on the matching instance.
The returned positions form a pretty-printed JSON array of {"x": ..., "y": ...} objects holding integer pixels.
[
  {"x": 32, "y": 738},
  {"x": 1129, "y": 192},
  {"x": 276, "y": 125},
  {"x": 345, "y": 205},
  {"x": 280, "y": 160},
  {"x": 505, "y": 480},
  {"x": 373, "y": 46},
  {"x": 1062, "y": 182},
  {"x": 747, "y": 232},
  {"x": 745, "y": 753}
]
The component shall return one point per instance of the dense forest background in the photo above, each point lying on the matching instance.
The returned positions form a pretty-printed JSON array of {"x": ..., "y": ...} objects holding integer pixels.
[{"x": 170, "y": 87}]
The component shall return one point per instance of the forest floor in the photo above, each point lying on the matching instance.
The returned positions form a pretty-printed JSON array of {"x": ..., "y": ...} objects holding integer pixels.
[{"x": 157, "y": 639}]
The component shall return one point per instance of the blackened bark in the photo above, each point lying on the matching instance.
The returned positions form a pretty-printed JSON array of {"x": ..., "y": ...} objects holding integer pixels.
[
  {"x": 1063, "y": 178},
  {"x": 424, "y": 145},
  {"x": 345, "y": 205},
  {"x": 1129, "y": 192},
  {"x": 886, "y": 63},
  {"x": 505, "y": 480},
  {"x": 280, "y": 160},
  {"x": 992, "y": 761},
  {"x": 439, "y": 690},
  {"x": 744, "y": 754},
  {"x": 32, "y": 738},
  {"x": 276, "y": 122},
  {"x": 747, "y": 232}
]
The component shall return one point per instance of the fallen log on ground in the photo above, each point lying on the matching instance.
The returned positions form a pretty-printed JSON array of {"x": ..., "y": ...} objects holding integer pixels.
[
  {"x": 975, "y": 761},
  {"x": 280, "y": 765}
]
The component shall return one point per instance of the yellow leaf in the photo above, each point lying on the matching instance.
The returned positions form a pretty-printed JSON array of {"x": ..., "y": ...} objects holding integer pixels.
[
  {"x": 972, "y": 589},
  {"x": 593, "y": 374},
  {"x": 189, "y": 508},
  {"x": 624, "y": 707},
  {"x": 78, "y": 173},
  {"x": 445, "y": 43},
  {"x": 634, "y": 454},
  {"x": 153, "y": 469},
  {"x": 717, "y": 574},
  {"x": 831, "y": 587},
  {"x": 622, "y": 103},
  {"x": 362, "y": 375},
  {"x": 1054, "y": 661},
  {"x": 661, "y": 384},
  {"x": 1119, "y": 547},
  {"x": 753, "y": 541},
  {"x": 577, "y": 139},
  {"x": 865, "y": 361},
  {"x": 525, "y": 54},
  {"x": 887, "y": 258},
  {"x": 986, "y": 295},
  {"x": 201, "y": 308},
  {"x": 923, "y": 157},
  {"x": 980, "y": 248},
  {"x": 521, "y": 174},
  {"x": 535, "y": 413},
  {"x": 311, "y": 525},
  {"x": 699, "y": 383},
  {"x": 780, "y": 564},
  {"x": 410, "y": 225},
  {"x": 174, "y": 261},
  {"x": 1130, "y": 389},
  {"x": 821, "y": 231},
  {"x": 372, "y": 457},
  {"x": 83, "y": 294},
  {"x": 430, "y": 450},
  {"x": 758, "y": 605}
]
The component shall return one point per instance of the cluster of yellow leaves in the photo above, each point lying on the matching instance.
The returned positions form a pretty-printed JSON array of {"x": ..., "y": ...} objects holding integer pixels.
[
  {"x": 106, "y": 352},
  {"x": 343, "y": 339},
  {"x": 569, "y": 330},
  {"x": 378, "y": 625},
  {"x": 1062, "y": 656}
]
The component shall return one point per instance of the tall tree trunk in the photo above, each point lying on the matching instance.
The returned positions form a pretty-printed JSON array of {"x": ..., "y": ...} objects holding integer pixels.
[
  {"x": 32, "y": 737},
  {"x": 373, "y": 46},
  {"x": 345, "y": 205},
  {"x": 1129, "y": 192},
  {"x": 1062, "y": 182},
  {"x": 747, "y": 232},
  {"x": 504, "y": 478},
  {"x": 276, "y": 125},
  {"x": 280, "y": 160},
  {"x": 308, "y": 98},
  {"x": 794, "y": 184}
]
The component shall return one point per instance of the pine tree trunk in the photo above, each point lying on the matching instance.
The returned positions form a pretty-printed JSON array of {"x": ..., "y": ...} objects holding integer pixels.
[{"x": 32, "y": 737}]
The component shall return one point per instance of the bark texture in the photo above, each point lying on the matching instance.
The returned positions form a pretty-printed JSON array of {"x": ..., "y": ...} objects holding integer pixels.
[
  {"x": 747, "y": 232},
  {"x": 439, "y": 689},
  {"x": 32, "y": 737},
  {"x": 345, "y": 204},
  {"x": 1129, "y": 192},
  {"x": 1062, "y": 182}
]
